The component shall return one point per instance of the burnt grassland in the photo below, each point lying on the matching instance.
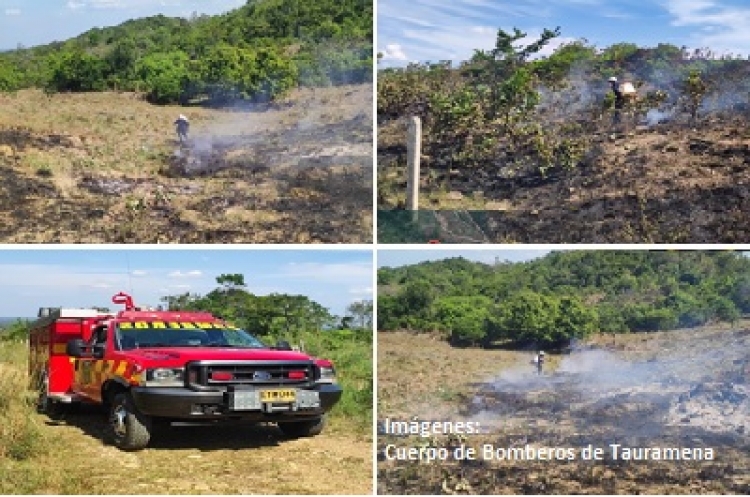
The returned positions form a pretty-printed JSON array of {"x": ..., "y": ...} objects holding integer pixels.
[
  {"x": 107, "y": 168},
  {"x": 524, "y": 150},
  {"x": 638, "y": 390}
]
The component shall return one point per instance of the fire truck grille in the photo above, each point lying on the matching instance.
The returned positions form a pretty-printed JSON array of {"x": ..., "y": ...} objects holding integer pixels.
[{"x": 212, "y": 374}]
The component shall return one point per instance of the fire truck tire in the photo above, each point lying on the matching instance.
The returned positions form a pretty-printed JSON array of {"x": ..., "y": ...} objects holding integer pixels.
[
  {"x": 128, "y": 429},
  {"x": 300, "y": 429}
]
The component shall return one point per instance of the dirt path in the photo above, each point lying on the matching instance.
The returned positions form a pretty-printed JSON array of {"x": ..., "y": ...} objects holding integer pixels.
[{"x": 229, "y": 459}]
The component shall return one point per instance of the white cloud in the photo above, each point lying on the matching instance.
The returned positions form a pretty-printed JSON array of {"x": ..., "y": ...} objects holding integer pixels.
[
  {"x": 721, "y": 27},
  {"x": 12, "y": 12},
  {"x": 366, "y": 291},
  {"x": 393, "y": 52},
  {"x": 100, "y": 285},
  {"x": 73, "y": 5},
  {"x": 139, "y": 272},
  {"x": 107, "y": 4},
  {"x": 333, "y": 272},
  {"x": 188, "y": 274}
]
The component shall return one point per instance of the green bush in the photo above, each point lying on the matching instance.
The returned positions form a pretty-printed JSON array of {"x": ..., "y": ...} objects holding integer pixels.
[
  {"x": 464, "y": 318},
  {"x": 351, "y": 352}
]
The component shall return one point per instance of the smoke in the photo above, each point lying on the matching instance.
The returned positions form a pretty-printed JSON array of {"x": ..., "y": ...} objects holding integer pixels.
[
  {"x": 314, "y": 127},
  {"x": 582, "y": 92},
  {"x": 656, "y": 116},
  {"x": 688, "y": 384}
]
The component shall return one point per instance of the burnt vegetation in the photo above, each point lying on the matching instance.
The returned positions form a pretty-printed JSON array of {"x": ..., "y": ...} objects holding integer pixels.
[
  {"x": 646, "y": 349},
  {"x": 533, "y": 141}
]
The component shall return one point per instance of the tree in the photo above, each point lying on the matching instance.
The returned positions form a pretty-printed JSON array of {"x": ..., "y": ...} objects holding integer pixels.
[
  {"x": 524, "y": 317},
  {"x": 362, "y": 312},
  {"x": 17, "y": 330},
  {"x": 180, "y": 302},
  {"x": 165, "y": 76},
  {"x": 464, "y": 318},
  {"x": 76, "y": 71},
  {"x": 231, "y": 281},
  {"x": 122, "y": 61}
]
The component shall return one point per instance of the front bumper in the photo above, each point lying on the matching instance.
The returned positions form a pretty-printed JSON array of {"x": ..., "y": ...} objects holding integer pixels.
[{"x": 184, "y": 403}]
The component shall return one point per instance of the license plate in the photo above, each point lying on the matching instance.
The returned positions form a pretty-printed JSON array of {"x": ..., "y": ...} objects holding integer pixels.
[{"x": 271, "y": 396}]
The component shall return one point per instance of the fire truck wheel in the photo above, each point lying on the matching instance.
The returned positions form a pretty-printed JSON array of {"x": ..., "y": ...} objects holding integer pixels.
[
  {"x": 128, "y": 428},
  {"x": 301, "y": 429}
]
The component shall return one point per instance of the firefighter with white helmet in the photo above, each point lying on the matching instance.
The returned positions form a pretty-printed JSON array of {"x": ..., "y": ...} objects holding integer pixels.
[
  {"x": 619, "y": 99},
  {"x": 539, "y": 360},
  {"x": 183, "y": 125}
]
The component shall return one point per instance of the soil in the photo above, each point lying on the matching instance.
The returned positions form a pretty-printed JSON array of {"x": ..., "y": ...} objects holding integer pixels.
[
  {"x": 682, "y": 389},
  {"x": 239, "y": 458},
  {"x": 672, "y": 182},
  {"x": 107, "y": 168}
]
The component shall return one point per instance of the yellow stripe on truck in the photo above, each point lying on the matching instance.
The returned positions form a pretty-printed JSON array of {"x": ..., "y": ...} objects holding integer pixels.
[{"x": 59, "y": 348}]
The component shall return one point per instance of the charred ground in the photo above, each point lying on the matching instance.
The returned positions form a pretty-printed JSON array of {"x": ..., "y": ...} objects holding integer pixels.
[
  {"x": 105, "y": 168},
  {"x": 539, "y": 159},
  {"x": 640, "y": 390}
]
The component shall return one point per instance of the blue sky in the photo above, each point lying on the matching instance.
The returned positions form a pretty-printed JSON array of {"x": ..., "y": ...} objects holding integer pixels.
[
  {"x": 36, "y": 22},
  {"x": 402, "y": 257},
  {"x": 30, "y": 279},
  {"x": 433, "y": 30}
]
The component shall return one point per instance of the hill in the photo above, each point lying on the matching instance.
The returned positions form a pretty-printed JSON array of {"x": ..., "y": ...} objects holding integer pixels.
[
  {"x": 530, "y": 149},
  {"x": 257, "y": 52},
  {"x": 564, "y": 296}
]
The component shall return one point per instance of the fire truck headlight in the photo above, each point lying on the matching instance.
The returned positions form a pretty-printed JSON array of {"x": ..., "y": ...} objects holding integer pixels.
[
  {"x": 165, "y": 377},
  {"x": 327, "y": 375}
]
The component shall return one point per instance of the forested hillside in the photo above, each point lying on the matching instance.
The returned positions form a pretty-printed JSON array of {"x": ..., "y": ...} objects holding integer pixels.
[
  {"x": 565, "y": 295},
  {"x": 256, "y": 52}
]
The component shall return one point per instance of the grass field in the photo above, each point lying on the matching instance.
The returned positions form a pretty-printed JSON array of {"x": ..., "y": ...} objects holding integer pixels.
[{"x": 106, "y": 167}]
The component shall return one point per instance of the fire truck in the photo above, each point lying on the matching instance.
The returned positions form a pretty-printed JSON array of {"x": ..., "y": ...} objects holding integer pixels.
[{"x": 150, "y": 368}]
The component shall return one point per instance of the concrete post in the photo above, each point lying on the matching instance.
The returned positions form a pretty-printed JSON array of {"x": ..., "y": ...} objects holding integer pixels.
[{"x": 413, "y": 153}]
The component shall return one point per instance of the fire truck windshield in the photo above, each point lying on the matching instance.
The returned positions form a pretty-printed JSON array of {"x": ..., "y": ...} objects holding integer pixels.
[{"x": 132, "y": 335}]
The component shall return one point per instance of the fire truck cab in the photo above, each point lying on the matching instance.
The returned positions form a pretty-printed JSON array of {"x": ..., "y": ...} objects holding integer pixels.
[{"x": 147, "y": 367}]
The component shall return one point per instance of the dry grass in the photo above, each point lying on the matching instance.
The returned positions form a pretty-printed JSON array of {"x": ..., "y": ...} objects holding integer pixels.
[
  {"x": 103, "y": 167},
  {"x": 421, "y": 375}
]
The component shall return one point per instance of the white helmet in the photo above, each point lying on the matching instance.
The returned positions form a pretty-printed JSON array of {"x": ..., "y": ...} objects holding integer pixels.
[
  {"x": 182, "y": 118},
  {"x": 613, "y": 80},
  {"x": 541, "y": 352}
]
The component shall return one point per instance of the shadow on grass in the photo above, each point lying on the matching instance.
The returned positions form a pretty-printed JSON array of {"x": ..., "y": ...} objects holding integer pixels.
[{"x": 229, "y": 435}]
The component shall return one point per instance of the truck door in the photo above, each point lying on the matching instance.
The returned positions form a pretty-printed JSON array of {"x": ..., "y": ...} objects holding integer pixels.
[{"x": 90, "y": 370}]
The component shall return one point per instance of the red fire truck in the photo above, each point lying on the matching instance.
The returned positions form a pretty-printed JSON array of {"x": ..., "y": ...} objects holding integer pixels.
[{"x": 149, "y": 367}]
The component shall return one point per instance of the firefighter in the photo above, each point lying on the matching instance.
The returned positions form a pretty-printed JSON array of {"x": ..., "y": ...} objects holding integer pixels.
[
  {"x": 619, "y": 100},
  {"x": 539, "y": 362},
  {"x": 183, "y": 125}
]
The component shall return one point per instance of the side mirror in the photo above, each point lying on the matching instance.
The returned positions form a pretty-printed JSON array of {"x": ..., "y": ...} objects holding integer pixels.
[
  {"x": 75, "y": 348},
  {"x": 283, "y": 345}
]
